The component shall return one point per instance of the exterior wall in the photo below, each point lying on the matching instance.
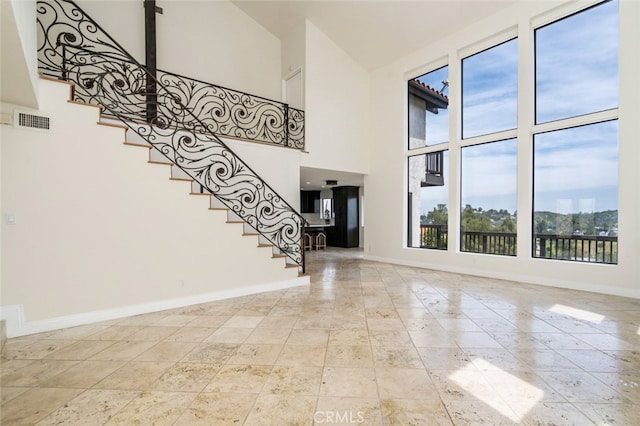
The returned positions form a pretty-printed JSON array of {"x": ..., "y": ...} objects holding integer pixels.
[
  {"x": 386, "y": 183},
  {"x": 212, "y": 41},
  {"x": 336, "y": 106},
  {"x": 100, "y": 233}
]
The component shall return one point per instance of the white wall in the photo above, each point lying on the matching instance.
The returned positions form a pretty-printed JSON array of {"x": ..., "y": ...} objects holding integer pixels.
[
  {"x": 100, "y": 233},
  {"x": 19, "y": 62},
  {"x": 213, "y": 41},
  {"x": 386, "y": 184},
  {"x": 279, "y": 167},
  {"x": 336, "y": 107}
]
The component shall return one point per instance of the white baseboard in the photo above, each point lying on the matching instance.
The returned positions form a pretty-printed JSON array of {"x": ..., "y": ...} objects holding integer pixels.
[
  {"x": 17, "y": 326},
  {"x": 571, "y": 285}
]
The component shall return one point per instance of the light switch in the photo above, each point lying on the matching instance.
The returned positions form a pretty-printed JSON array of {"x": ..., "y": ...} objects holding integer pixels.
[{"x": 11, "y": 219}]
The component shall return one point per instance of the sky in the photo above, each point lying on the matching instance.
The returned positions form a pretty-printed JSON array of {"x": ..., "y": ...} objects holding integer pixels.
[{"x": 574, "y": 169}]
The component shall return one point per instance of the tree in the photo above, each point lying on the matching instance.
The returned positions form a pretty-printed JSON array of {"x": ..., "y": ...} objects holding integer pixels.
[{"x": 438, "y": 216}]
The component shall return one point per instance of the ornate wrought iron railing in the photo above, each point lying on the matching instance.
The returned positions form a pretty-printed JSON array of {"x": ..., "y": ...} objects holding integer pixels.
[
  {"x": 226, "y": 112},
  {"x": 113, "y": 79}
]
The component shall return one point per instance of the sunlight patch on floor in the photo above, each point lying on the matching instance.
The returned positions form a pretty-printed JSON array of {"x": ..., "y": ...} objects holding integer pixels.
[
  {"x": 515, "y": 386},
  {"x": 577, "y": 313}
]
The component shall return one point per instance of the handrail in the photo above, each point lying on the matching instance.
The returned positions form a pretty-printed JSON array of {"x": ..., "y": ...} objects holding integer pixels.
[
  {"x": 115, "y": 80},
  {"x": 228, "y": 112}
]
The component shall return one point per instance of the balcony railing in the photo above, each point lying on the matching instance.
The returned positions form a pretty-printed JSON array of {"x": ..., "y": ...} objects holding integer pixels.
[
  {"x": 225, "y": 112},
  {"x": 576, "y": 248},
  {"x": 489, "y": 242}
]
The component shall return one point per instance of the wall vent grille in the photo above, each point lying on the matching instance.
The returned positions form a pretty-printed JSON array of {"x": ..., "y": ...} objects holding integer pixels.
[{"x": 31, "y": 121}]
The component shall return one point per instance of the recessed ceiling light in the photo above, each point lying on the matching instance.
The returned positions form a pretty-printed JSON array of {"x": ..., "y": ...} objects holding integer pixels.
[{"x": 308, "y": 183}]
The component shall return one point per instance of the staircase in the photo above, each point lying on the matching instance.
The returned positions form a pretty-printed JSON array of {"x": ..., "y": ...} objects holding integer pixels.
[{"x": 72, "y": 47}]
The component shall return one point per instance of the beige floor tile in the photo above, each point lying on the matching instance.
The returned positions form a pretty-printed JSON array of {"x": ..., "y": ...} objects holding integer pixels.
[
  {"x": 92, "y": 407},
  {"x": 33, "y": 405},
  {"x": 293, "y": 380},
  {"x": 80, "y": 350},
  {"x": 581, "y": 387},
  {"x": 627, "y": 385},
  {"x": 186, "y": 377},
  {"x": 414, "y": 412},
  {"x": 37, "y": 349},
  {"x": 243, "y": 321},
  {"x": 269, "y": 336},
  {"x": 461, "y": 385},
  {"x": 334, "y": 410},
  {"x": 84, "y": 374},
  {"x": 122, "y": 351},
  {"x": 166, "y": 351},
  {"x": 239, "y": 379},
  {"x": 396, "y": 344},
  {"x": 115, "y": 332},
  {"x": 302, "y": 355},
  {"x": 549, "y": 413},
  {"x": 611, "y": 414},
  {"x": 154, "y": 408},
  {"x": 191, "y": 334},
  {"x": 388, "y": 338},
  {"x": 272, "y": 409},
  {"x": 405, "y": 383},
  {"x": 349, "y": 382},
  {"x": 211, "y": 353},
  {"x": 308, "y": 337},
  {"x": 490, "y": 412},
  {"x": 153, "y": 333},
  {"x": 396, "y": 357},
  {"x": 217, "y": 409},
  {"x": 7, "y": 393},
  {"x": 444, "y": 358},
  {"x": 229, "y": 335},
  {"x": 356, "y": 356},
  {"x": 209, "y": 321},
  {"x": 134, "y": 376},
  {"x": 36, "y": 373},
  {"x": 349, "y": 337},
  {"x": 255, "y": 354}
]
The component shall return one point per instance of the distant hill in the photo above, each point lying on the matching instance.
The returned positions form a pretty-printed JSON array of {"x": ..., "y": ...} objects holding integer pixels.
[{"x": 597, "y": 223}]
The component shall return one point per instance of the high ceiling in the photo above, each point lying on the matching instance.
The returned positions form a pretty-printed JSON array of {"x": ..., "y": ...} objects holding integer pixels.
[{"x": 373, "y": 32}]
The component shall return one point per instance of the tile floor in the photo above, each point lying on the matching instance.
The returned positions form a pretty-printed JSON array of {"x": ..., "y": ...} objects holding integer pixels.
[{"x": 368, "y": 343}]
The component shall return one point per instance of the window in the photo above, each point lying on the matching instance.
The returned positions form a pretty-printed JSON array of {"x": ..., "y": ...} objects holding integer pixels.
[
  {"x": 427, "y": 171},
  {"x": 490, "y": 90},
  {"x": 489, "y": 199},
  {"x": 428, "y": 113},
  {"x": 577, "y": 64},
  {"x": 428, "y": 200},
  {"x": 488, "y": 163},
  {"x": 575, "y": 204}
]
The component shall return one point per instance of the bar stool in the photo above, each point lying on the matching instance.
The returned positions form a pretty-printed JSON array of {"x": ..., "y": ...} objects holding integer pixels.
[
  {"x": 321, "y": 240},
  {"x": 307, "y": 242}
]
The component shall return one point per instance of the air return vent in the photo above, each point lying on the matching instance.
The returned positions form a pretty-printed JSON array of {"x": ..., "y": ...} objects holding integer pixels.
[{"x": 31, "y": 121}]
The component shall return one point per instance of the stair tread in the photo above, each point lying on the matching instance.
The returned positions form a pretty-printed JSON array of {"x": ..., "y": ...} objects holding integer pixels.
[
  {"x": 140, "y": 144},
  {"x": 116, "y": 125}
]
